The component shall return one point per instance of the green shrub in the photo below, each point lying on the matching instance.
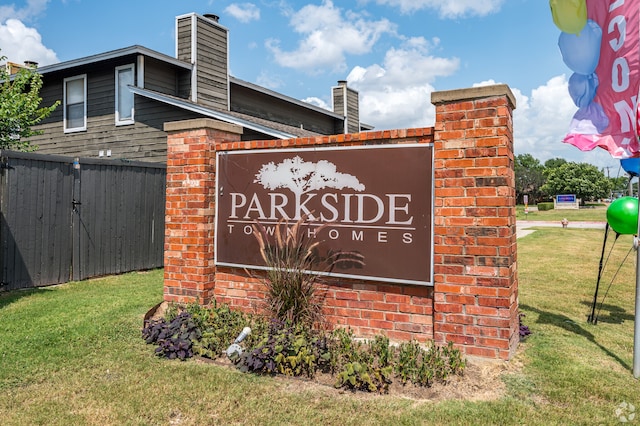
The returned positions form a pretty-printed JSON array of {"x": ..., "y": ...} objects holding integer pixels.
[
  {"x": 545, "y": 206},
  {"x": 218, "y": 325},
  {"x": 421, "y": 366},
  {"x": 292, "y": 350},
  {"x": 221, "y": 326},
  {"x": 358, "y": 376},
  {"x": 295, "y": 349}
]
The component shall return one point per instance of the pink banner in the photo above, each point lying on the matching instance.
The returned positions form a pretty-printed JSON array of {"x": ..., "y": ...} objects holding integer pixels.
[{"x": 610, "y": 119}]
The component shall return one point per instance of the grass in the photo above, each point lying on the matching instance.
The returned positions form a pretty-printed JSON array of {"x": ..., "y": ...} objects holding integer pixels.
[
  {"x": 595, "y": 213},
  {"x": 72, "y": 354}
]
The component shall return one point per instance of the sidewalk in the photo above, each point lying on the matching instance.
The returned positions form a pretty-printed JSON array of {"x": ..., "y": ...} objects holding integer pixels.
[{"x": 523, "y": 225}]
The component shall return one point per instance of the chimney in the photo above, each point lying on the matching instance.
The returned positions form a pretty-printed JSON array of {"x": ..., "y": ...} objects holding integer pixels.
[
  {"x": 211, "y": 16},
  {"x": 203, "y": 42},
  {"x": 12, "y": 67},
  {"x": 345, "y": 102}
]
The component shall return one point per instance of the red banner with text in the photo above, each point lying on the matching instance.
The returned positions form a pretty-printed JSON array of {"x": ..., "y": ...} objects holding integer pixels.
[{"x": 604, "y": 54}]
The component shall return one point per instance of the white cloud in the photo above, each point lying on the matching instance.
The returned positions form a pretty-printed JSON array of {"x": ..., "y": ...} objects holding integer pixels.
[
  {"x": 396, "y": 94},
  {"x": 542, "y": 120},
  {"x": 317, "y": 102},
  {"x": 269, "y": 81},
  {"x": 329, "y": 34},
  {"x": 20, "y": 43},
  {"x": 32, "y": 8},
  {"x": 243, "y": 12},
  {"x": 447, "y": 8}
]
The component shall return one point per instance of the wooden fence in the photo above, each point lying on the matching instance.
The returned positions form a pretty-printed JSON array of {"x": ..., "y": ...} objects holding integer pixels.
[{"x": 63, "y": 220}]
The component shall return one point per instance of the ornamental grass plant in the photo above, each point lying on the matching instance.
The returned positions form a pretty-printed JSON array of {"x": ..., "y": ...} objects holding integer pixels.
[{"x": 293, "y": 294}]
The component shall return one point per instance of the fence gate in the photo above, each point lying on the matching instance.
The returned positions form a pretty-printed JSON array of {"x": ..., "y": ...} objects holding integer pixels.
[{"x": 63, "y": 220}]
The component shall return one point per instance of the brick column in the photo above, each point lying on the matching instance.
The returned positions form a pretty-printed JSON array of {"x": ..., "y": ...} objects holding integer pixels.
[
  {"x": 189, "y": 271},
  {"x": 475, "y": 282}
]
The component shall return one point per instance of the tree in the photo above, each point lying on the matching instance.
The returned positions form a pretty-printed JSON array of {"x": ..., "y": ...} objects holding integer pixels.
[
  {"x": 529, "y": 177},
  {"x": 301, "y": 176},
  {"x": 620, "y": 185},
  {"x": 584, "y": 180},
  {"x": 552, "y": 163},
  {"x": 20, "y": 108}
]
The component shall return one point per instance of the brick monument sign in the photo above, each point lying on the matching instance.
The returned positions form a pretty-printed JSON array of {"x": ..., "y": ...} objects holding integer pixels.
[{"x": 430, "y": 210}]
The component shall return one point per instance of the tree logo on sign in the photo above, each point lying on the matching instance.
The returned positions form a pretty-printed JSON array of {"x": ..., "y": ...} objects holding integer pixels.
[{"x": 301, "y": 177}]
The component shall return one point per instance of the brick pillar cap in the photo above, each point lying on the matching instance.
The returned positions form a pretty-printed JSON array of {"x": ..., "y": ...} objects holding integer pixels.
[
  {"x": 201, "y": 123},
  {"x": 448, "y": 96}
]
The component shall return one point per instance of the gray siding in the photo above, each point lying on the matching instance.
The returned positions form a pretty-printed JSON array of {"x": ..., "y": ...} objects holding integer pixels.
[
  {"x": 165, "y": 79},
  {"x": 212, "y": 74},
  {"x": 258, "y": 104},
  {"x": 353, "y": 111},
  {"x": 338, "y": 101},
  {"x": 145, "y": 140},
  {"x": 183, "y": 39},
  {"x": 349, "y": 107},
  {"x": 213, "y": 77}
]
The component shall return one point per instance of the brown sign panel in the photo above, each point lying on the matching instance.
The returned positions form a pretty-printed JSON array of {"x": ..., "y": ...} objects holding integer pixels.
[{"x": 373, "y": 203}]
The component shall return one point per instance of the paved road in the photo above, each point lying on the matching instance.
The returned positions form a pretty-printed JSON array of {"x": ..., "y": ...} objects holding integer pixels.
[{"x": 523, "y": 225}]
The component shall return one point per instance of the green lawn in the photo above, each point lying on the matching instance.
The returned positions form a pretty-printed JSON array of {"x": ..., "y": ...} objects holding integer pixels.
[
  {"x": 596, "y": 213},
  {"x": 72, "y": 355}
]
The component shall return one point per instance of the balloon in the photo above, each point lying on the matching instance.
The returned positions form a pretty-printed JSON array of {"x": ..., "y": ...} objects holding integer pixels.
[
  {"x": 631, "y": 166},
  {"x": 622, "y": 215},
  {"x": 582, "y": 88},
  {"x": 589, "y": 120},
  {"x": 581, "y": 52},
  {"x": 569, "y": 15}
]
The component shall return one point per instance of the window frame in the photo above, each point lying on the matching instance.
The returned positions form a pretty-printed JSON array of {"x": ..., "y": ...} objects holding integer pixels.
[
  {"x": 65, "y": 118},
  {"x": 131, "y": 120}
]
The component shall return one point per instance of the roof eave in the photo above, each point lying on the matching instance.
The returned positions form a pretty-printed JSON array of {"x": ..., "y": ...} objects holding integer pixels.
[
  {"x": 210, "y": 113},
  {"x": 286, "y": 98},
  {"x": 132, "y": 50}
]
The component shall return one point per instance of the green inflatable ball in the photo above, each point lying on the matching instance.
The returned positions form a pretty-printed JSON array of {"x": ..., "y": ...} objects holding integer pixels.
[{"x": 622, "y": 215}]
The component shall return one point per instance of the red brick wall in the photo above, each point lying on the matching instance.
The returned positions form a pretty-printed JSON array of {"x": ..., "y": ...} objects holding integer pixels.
[
  {"x": 475, "y": 282},
  {"x": 474, "y": 298},
  {"x": 189, "y": 271}
]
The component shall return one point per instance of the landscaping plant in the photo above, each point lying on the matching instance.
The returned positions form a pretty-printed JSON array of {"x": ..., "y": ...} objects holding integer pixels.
[
  {"x": 524, "y": 329},
  {"x": 293, "y": 294},
  {"x": 295, "y": 349},
  {"x": 175, "y": 338},
  {"x": 289, "y": 349},
  {"x": 288, "y": 341}
]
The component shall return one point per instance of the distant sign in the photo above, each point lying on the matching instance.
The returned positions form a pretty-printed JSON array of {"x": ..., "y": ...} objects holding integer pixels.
[
  {"x": 375, "y": 201},
  {"x": 567, "y": 198}
]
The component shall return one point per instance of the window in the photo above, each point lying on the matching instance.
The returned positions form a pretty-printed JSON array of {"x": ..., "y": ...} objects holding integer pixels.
[
  {"x": 124, "y": 96},
  {"x": 75, "y": 103}
]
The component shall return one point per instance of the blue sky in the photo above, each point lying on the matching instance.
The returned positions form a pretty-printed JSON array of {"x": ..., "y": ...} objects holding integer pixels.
[{"x": 395, "y": 52}]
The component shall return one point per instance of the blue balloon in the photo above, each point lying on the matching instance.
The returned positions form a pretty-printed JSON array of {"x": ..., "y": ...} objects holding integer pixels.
[
  {"x": 581, "y": 52},
  {"x": 582, "y": 88},
  {"x": 595, "y": 114},
  {"x": 631, "y": 166}
]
